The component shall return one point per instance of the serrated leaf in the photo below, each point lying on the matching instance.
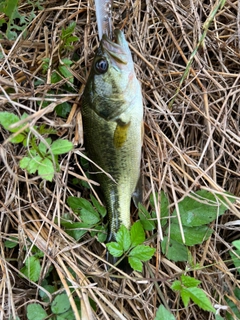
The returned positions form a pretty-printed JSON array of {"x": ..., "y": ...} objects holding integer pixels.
[
  {"x": 60, "y": 304},
  {"x": 199, "y": 297},
  {"x": 217, "y": 317},
  {"x": 185, "y": 297},
  {"x": 147, "y": 222},
  {"x": 31, "y": 164},
  {"x": 66, "y": 73},
  {"x": 193, "y": 235},
  {"x": 32, "y": 269},
  {"x": 61, "y": 146},
  {"x": 142, "y": 252},
  {"x": 123, "y": 238},
  {"x": 174, "y": 250},
  {"x": 135, "y": 263},
  {"x": 66, "y": 32},
  {"x": 46, "y": 169},
  {"x": 189, "y": 281},
  {"x": 137, "y": 234},
  {"x": 177, "y": 285},
  {"x": 164, "y": 314},
  {"x": 101, "y": 209},
  {"x": 115, "y": 249},
  {"x": 36, "y": 312}
]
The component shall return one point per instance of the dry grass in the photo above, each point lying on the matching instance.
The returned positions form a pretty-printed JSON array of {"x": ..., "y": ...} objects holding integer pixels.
[{"x": 190, "y": 144}]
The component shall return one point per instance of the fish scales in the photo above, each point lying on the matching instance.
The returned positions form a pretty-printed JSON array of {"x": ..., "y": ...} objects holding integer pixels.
[{"x": 112, "y": 121}]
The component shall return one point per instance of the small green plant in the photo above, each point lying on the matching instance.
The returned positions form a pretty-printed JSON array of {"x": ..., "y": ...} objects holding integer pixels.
[
  {"x": 130, "y": 243},
  {"x": 196, "y": 212},
  {"x": 164, "y": 314},
  {"x": 42, "y": 156},
  {"x": 62, "y": 68},
  {"x": 91, "y": 214},
  {"x": 188, "y": 289},
  {"x": 15, "y": 21}
]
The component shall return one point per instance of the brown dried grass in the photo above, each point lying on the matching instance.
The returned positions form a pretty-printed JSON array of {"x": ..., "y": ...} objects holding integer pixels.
[{"x": 193, "y": 143}]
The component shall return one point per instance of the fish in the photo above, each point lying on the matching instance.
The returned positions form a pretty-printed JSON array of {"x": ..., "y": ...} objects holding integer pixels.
[{"x": 112, "y": 113}]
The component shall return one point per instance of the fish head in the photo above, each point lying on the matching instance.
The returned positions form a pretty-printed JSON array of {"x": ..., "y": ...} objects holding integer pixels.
[{"x": 112, "y": 83}]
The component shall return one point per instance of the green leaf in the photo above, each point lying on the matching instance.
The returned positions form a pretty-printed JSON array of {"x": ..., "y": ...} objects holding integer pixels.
[
  {"x": 236, "y": 243},
  {"x": 7, "y": 119},
  {"x": 30, "y": 164},
  {"x": 146, "y": 219},
  {"x": 18, "y": 139},
  {"x": 174, "y": 250},
  {"x": 69, "y": 315},
  {"x": 135, "y": 263},
  {"x": 193, "y": 235},
  {"x": 137, "y": 234},
  {"x": 55, "y": 77},
  {"x": 63, "y": 109},
  {"x": 90, "y": 217},
  {"x": 201, "y": 208},
  {"x": 66, "y": 73},
  {"x": 66, "y": 32},
  {"x": 101, "y": 209},
  {"x": 36, "y": 312},
  {"x": 142, "y": 252},
  {"x": 189, "y": 281},
  {"x": 185, "y": 297},
  {"x": 115, "y": 249},
  {"x": 123, "y": 238},
  {"x": 32, "y": 269},
  {"x": 75, "y": 229},
  {"x": 43, "y": 295},
  {"x": 46, "y": 169},
  {"x": 85, "y": 209},
  {"x": 164, "y": 314},
  {"x": 217, "y": 317},
  {"x": 199, "y": 297},
  {"x": 60, "y": 304},
  {"x": 177, "y": 285},
  {"x": 61, "y": 146},
  {"x": 12, "y": 242},
  {"x": 234, "y": 308},
  {"x": 43, "y": 146}
]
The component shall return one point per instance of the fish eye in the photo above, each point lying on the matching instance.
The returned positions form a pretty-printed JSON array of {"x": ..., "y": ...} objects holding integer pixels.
[{"x": 101, "y": 66}]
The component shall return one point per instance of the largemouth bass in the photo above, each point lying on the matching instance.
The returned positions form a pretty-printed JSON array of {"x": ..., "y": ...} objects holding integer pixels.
[{"x": 112, "y": 113}]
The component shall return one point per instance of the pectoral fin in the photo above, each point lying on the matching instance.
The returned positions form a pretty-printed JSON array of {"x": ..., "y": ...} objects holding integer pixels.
[
  {"x": 120, "y": 134},
  {"x": 137, "y": 194}
]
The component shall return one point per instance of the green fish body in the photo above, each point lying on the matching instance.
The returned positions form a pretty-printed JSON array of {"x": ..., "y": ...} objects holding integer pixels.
[{"x": 112, "y": 112}]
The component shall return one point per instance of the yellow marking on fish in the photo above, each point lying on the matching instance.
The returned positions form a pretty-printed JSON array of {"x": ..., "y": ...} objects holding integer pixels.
[{"x": 120, "y": 135}]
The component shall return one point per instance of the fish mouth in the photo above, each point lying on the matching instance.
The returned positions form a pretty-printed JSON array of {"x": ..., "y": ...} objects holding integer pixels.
[{"x": 117, "y": 49}]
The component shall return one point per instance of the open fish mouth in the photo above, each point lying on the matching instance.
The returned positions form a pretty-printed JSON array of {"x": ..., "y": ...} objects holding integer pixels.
[{"x": 117, "y": 49}]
